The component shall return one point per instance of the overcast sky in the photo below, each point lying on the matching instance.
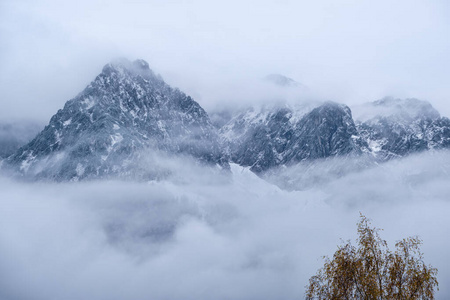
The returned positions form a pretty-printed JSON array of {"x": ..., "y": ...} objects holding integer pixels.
[{"x": 347, "y": 51}]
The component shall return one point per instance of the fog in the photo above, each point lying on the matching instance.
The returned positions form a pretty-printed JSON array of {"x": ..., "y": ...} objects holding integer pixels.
[
  {"x": 201, "y": 233},
  {"x": 15, "y": 135},
  {"x": 346, "y": 51},
  {"x": 237, "y": 237}
]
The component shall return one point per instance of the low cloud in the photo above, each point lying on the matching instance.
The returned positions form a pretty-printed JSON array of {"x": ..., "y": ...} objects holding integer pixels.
[{"x": 241, "y": 238}]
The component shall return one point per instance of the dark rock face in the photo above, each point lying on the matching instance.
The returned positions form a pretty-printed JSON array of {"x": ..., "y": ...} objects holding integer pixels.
[
  {"x": 102, "y": 131},
  {"x": 284, "y": 136}
]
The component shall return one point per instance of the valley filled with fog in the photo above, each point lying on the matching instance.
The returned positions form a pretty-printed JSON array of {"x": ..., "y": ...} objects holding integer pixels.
[{"x": 203, "y": 233}]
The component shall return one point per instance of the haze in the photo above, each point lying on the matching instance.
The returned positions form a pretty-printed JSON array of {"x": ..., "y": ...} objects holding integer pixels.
[{"x": 345, "y": 51}]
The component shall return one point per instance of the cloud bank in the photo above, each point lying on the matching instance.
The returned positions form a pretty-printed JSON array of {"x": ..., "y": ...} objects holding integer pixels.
[{"x": 240, "y": 238}]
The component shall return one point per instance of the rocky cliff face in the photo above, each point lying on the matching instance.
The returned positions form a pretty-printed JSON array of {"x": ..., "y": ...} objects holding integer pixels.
[
  {"x": 102, "y": 132},
  {"x": 286, "y": 135}
]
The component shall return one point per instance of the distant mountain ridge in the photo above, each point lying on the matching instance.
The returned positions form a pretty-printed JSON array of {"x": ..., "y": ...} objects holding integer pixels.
[
  {"x": 13, "y": 135},
  {"x": 129, "y": 113},
  {"x": 282, "y": 81},
  {"x": 397, "y": 127},
  {"x": 285, "y": 135}
]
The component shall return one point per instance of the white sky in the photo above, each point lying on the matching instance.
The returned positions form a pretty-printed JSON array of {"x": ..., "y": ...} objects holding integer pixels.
[{"x": 346, "y": 51}]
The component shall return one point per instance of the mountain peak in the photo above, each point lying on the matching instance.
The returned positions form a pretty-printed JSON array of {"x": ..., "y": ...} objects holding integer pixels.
[
  {"x": 137, "y": 67},
  {"x": 282, "y": 80},
  {"x": 109, "y": 129}
]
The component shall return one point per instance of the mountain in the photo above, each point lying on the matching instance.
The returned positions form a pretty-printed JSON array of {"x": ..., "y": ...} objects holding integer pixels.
[
  {"x": 302, "y": 146},
  {"x": 397, "y": 127},
  {"x": 13, "y": 135},
  {"x": 129, "y": 123},
  {"x": 272, "y": 136},
  {"x": 282, "y": 81},
  {"x": 110, "y": 128}
]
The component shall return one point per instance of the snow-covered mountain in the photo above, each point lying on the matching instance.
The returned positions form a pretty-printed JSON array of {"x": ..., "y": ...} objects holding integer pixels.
[
  {"x": 272, "y": 136},
  {"x": 112, "y": 125},
  {"x": 269, "y": 137},
  {"x": 128, "y": 123},
  {"x": 397, "y": 127}
]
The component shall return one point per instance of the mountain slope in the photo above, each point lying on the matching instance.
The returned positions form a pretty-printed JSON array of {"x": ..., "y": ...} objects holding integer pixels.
[
  {"x": 277, "y": 136},
  {"x": 13, "y": 135},
  {"x": 102, "y": 132},
  {"x": 397, "y": 127},
  {"x": 266, "y": 138}
]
